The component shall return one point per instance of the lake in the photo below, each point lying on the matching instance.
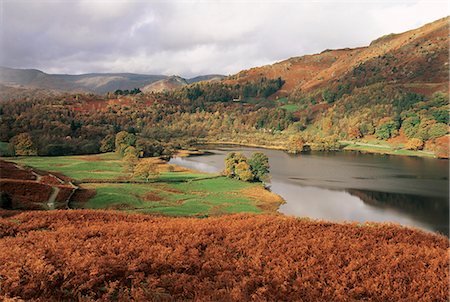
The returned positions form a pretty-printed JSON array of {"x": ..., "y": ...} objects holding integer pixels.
[{"x": 350, "y": 186}]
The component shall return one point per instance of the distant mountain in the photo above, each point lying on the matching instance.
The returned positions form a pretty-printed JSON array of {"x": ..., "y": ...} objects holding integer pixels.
[
  {"x": 209, "y": 77},
  {"x": 167, "y": 84},
  {"x": 92, "y": 82}
]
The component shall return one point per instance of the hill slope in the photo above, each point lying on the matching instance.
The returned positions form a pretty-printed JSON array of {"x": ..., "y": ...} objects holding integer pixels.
[
  {"x": 98, "y": 255},
  {"x": 415, "y": 56}
]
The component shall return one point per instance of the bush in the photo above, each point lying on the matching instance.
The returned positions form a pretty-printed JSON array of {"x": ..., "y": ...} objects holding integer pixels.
[
  {"x": 386, "y": 130},
  {"x": 414, "y": 144}
]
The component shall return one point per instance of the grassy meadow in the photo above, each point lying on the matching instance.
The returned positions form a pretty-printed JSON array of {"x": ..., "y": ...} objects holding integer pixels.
[{"x": 173, "y": 192}]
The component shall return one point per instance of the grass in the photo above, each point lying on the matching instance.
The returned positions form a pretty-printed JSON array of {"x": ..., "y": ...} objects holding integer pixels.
[
  {"x": 202, "y": 197},
  {"x": 290, "y": 107},
  {"x": 181, "y": 193},
  {"x": 101, "y": 166}
]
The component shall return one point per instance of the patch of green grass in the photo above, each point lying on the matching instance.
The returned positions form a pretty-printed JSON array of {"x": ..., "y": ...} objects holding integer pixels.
[
  {"x": 180, "y": 176},
  {"x": 282, "y": 100},
  {"x": 102, "y": 166},
  {"x": 171, "y": 193},
  {"x": 201, "y": 197},
  {"x": 290, "y": 107}
]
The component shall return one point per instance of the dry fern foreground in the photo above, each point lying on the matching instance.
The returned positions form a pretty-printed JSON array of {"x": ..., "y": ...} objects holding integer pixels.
[{"x": 99, "y": 255}]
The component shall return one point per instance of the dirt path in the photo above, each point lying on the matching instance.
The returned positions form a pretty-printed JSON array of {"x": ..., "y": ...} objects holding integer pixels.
[
  {"x": 52, "y": 198},
  {"x": 38, "y": 177}
]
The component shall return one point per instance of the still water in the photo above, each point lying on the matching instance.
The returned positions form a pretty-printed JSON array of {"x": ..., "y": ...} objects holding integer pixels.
[{"x": 347, "y": 186}]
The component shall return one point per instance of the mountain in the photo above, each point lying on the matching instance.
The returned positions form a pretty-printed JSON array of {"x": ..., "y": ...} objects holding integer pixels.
[
  {"x": 170, "y": 83},
  {"x": 415, "y": 56},
  {"x": 92, "y": 82},
  {"x": 209, "y": 77},
  {"x": 175, "y": 82}
]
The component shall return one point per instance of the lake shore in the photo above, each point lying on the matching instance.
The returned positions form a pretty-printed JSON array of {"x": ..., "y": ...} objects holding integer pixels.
[{"x": 351, "y": 146}]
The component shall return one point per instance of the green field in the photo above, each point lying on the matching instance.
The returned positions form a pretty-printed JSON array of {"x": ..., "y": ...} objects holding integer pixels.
[
  {"x": 201, "y": 197},
  {"x": 171, "y": 193},
  {"x": 290, "y": 107},
  {"x": 102, "y": 166}
]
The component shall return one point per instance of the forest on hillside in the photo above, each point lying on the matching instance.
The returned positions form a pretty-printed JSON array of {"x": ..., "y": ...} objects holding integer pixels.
[{"x": 248, "y": 114}]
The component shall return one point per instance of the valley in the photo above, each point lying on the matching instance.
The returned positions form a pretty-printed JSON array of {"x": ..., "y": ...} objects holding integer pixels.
[{"x": 321, "y": 177}]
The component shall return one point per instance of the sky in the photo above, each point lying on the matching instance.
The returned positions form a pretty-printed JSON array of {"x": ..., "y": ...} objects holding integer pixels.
[{"x": 190, "y": 38}]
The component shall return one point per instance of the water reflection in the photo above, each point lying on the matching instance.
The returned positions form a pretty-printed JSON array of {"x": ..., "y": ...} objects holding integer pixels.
[{"x": 351, "y": 186}]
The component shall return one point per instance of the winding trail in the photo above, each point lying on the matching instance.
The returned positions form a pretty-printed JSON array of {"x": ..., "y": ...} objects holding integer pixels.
[
  {"x": 52, "y": 198},
  {"x": 55, "y": 189}
]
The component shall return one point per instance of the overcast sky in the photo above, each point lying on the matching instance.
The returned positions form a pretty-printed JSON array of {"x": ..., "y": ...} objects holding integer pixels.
[{"x": 190, "y": 38}]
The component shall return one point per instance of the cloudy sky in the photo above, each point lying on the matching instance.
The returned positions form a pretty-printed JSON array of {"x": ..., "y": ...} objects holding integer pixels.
[{"x": 189, "y": 38}]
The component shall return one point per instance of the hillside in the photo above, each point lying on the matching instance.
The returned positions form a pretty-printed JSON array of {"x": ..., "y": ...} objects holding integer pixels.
[
  {"x": 389, "y": 97},
  {"x": 170, "y": 83},
  {"x": 415, "y": 56},
  {"x": 107, "y": 256},
  {"x": 100, "y": 83}
]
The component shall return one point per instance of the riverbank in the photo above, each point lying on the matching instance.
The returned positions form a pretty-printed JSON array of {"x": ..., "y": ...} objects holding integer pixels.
[{"x": 346, "y": 146}]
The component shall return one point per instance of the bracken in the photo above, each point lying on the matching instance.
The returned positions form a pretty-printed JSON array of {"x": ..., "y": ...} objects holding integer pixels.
[{"x": 101, "y": 255}]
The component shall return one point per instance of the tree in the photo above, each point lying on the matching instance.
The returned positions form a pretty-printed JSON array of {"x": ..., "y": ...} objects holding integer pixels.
[
  {"x": 130, "y": 156},
  {"x": 243, "y": 171},
  {"x": 437, "y": 130},
  {"x": 414, "y": 144},
  {"x": 231, "y": 161},
  {"x": 259, "y": 165},
  {"x": 386, "y": 130},
  {"x": 124, "y": 140},
  {"x": 147, "y": 169},
  {"x": 295, "y": 144},
  {"x": 23, "y": 144},
  {"x": 107, "y": 144}
]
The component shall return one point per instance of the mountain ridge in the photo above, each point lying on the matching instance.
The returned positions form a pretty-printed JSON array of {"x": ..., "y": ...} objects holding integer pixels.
[{"x": 89, "y": 82}]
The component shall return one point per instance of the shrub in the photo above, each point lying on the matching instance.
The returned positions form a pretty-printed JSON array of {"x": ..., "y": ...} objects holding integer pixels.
[
  {"x": 414, "y": 144},
  {"x": 386, "y": 130}
]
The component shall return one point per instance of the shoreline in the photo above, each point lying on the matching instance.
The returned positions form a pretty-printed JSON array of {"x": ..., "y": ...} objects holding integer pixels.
[{"x": 347, "y": 148}]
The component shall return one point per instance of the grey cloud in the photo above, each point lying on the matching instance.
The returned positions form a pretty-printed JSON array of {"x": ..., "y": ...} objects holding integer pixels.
[{"x": 191, "y": 38}]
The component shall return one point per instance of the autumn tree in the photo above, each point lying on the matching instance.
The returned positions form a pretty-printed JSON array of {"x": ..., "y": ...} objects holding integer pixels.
[
  {"x": 238, "y": 166},
  {"x": 414, "y": 144},
  {"x": 243, "y": 171},
  {"x": 259, "y": 165},
  {"x": 146, "y": 169},
  {"x": 130, "y": 157},
  {"x": 107, "y": 144},
  {"x": 295, "y": 144},
  {"x": 124, "y": 140},
  {"x": 231, "y": 161},
  {"x": 23, "y": 145}
]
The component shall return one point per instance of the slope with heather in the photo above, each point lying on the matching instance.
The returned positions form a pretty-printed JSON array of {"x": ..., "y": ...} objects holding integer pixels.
[
  {"x": 415, "y": 56},
  {"x": 92, "y": 255}
]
